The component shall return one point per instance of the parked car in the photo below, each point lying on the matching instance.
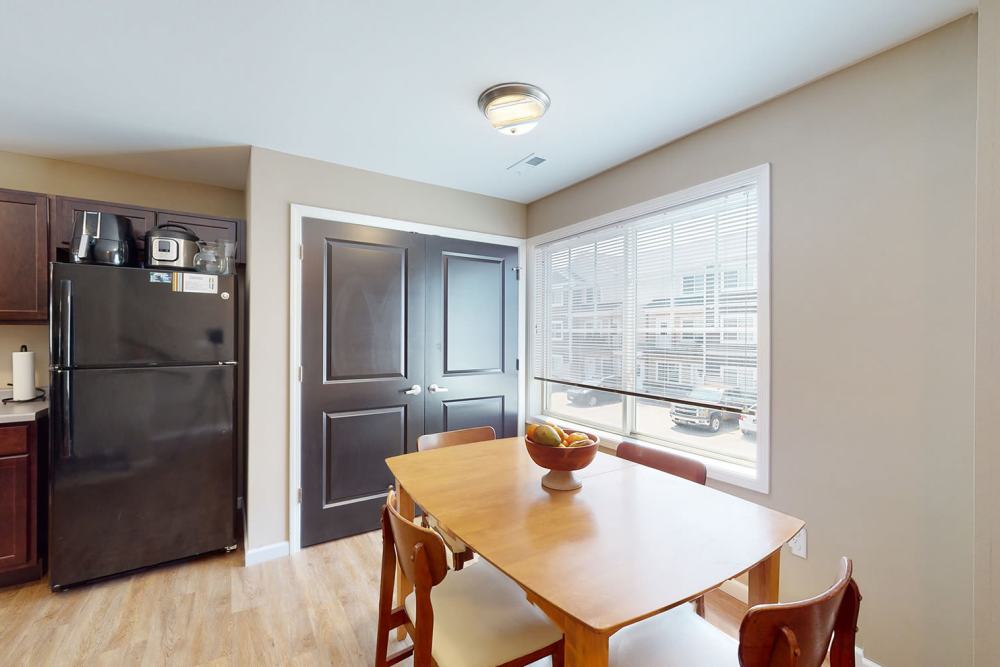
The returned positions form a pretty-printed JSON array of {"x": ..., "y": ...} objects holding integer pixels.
[
  {"x": 748, "y": 421},
  {"x": 712, "y": 419},
  {"x": 595, "y": 397}
]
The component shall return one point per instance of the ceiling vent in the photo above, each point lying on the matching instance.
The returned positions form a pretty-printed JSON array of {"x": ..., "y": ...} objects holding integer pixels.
[{"x": 530, "y": 160}]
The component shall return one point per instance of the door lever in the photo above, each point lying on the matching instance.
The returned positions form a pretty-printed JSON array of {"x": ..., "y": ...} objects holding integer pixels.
[
  {"x": 413, "y": 391},
  {"x": 433, "y": 388}
]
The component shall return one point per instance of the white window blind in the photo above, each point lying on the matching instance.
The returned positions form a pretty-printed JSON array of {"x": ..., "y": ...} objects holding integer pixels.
[{"x": 661, "y": 306}]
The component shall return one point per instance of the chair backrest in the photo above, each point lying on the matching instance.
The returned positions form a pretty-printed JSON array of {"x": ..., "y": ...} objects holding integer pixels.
[
  {"x": 665, "y": 460},
  {"x": 460, "y": 437},
  {"x": 798, "y": 634},
  {"x": 406, "y": 535}
]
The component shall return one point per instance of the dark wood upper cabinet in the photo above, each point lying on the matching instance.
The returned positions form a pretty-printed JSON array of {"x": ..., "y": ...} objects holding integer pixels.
[
  {"x": 64, "y": 211},
  {"x": 24, "y": 257},
  {"x": 207, "y": 229}
]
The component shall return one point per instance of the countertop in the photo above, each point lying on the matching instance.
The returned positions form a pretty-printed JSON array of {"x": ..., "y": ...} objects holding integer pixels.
[{"x": 21, "y": 412}]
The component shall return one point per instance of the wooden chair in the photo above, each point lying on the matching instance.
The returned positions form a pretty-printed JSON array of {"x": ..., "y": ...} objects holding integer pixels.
[
  {"x": 462, "y": 436},
  {"x": 460, "y": 551},
  {"x": 795, "y": 634},
  {"x": 665, "y": 460},
  {"x": 672, "y": 464},
  {"x": 475, "y": 618}
]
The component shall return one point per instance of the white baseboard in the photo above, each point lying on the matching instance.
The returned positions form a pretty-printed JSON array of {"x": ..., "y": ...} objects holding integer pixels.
[
  {"x": 861, "y": 660},
  {"x": 741, "y": 592},
  {"x": 265, "y": 553}
]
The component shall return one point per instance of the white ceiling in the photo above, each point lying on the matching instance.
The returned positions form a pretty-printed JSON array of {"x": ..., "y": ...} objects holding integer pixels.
[{"x": 391, "y": 86}]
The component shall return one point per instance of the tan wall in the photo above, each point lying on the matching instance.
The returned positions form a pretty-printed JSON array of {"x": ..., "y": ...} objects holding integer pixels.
[
  {"x": 987, "y": 337},
  {"x": 873, "y": 249},
  {"x": 278, "y": 180},
  {"x": 56, "y": 177}
]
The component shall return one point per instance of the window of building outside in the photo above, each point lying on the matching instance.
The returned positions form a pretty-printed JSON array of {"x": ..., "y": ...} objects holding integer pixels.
[{"x": 660, "y": 340}]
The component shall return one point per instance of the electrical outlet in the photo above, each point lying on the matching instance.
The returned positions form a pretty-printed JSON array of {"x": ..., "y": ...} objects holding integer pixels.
[{"x": 799, "y": 544}]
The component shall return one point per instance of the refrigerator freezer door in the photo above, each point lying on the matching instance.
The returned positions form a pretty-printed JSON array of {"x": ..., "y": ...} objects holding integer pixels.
[
  {"x": 142, "y": 468},
  {"x": 108, "y": 316}
]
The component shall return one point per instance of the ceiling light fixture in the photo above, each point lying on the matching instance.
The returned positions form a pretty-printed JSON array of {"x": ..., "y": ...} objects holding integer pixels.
[{"x": 514, "y": 108}]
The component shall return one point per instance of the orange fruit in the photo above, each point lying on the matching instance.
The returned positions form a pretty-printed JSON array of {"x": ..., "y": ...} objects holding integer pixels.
[
  {"x": 562, "y": 433},
  {"x": 530, "y": 430}
]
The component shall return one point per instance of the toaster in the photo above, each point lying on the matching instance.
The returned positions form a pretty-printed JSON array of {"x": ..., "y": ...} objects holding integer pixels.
[{"x": 171, "y": 245}]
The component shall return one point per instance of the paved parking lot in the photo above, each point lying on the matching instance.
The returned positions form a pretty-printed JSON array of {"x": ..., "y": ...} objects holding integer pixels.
[{"x": 653, "y": 418}]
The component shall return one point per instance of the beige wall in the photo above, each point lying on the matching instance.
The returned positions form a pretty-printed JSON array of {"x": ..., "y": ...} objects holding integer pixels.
[
  {"x": 276, "y": 181},
  {"x": 987, "y": 336},
  {"x": 873, "y": 249},
  {"x": 56, "y": 177}
]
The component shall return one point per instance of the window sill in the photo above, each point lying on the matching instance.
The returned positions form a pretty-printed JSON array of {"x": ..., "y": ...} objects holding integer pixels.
[{"x": 719, "y": 471}]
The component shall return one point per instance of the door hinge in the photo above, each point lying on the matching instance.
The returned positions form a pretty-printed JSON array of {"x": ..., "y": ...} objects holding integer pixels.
[
  {"x": 517, "y": 364},
  {"x": 517, "y": 273},
  {"x": 299, "y": 373},
  {"x": 300, "y": 251},
  {"x": 300, "y": 496}
]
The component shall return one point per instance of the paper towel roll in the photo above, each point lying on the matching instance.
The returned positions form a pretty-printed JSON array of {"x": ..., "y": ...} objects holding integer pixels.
[{"x": 24, "y": 375}]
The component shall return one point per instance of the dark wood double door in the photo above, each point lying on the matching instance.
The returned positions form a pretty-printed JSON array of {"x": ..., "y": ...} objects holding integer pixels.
[{"x": 402, "y": 334}]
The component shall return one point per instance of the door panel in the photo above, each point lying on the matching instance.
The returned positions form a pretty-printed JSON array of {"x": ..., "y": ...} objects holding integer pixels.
[
  {"x": 366, "y": 311},
  {"x": 14, "y": 514},
  {"x": 471, "y": 412},
  {"x": 362, "y": 348},
  {"x": 141, "y": 468},
  {"x": 24, "y": 257},
  {"x": 473, "y": 313},
  {"x": 356, "y": 444},
  {"x": 91, "y": 300},
  {"x": 471, "y": 336}
]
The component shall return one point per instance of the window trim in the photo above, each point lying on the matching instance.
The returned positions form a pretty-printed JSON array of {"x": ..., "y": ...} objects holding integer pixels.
[{"x": 758, "y": 477}]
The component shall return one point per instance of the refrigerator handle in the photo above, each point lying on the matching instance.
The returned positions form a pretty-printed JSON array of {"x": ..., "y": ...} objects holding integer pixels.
[
  {"x": 65, "y": 323},
  {"x": 67, "y": 417}
]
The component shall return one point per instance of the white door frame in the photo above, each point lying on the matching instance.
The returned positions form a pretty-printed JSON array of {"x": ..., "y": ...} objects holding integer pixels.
[{"x": 298, "y": 213}]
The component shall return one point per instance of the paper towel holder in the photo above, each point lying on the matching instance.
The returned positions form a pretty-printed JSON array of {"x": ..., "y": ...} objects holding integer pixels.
[{"x": 39, "y": 393}]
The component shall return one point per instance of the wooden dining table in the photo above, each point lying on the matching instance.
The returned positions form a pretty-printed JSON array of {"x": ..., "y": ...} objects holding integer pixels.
[{"x": 632, "y": 542}]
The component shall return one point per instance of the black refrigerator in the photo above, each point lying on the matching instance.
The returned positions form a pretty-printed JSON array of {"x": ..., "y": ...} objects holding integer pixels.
[{"x": 142, "y": 418}]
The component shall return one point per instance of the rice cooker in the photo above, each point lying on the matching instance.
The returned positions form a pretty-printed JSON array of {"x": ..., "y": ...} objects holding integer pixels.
[{"x": 171, "y": 245}]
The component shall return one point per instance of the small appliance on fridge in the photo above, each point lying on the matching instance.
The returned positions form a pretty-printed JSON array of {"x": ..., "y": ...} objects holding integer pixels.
[{"x": 142, "y": 418}]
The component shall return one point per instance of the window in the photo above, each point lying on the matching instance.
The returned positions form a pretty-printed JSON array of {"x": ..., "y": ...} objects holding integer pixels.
[{"x": 665, "y": 323}]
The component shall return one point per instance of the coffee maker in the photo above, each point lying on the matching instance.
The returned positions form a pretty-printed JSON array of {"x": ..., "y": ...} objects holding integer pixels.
[{"x": 102, "y": 238}]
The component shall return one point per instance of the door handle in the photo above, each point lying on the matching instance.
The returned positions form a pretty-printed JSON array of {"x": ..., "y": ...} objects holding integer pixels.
[
  {"x": 413, "y": 391},
  {"x": 435, "y": 389}
]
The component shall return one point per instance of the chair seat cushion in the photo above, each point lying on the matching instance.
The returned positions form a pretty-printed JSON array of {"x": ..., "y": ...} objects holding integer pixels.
[
  {"x": 675, "y": 638},
  {"x": 483, "y": 619},
  {"x": 453, "y": 543}
]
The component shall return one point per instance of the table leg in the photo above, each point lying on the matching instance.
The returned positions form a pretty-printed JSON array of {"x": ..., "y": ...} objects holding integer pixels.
[
  {"x": 764, "y": 580},
  {"x": 403, "y": 586},
  {"x": 584, "y": 646}
]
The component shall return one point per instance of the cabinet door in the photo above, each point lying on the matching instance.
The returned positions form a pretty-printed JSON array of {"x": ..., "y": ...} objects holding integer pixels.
[
  {"x": 64, "y": 209},
  {"x": 14, "y": 515},
  {"x": 24, "y": 257},
  {"x": 207, "y": 229}
]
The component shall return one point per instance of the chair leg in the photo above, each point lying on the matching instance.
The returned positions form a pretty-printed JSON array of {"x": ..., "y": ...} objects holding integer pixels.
[
  {"x": 699, "y": 606},
  {"x": 559, "y": 655}
]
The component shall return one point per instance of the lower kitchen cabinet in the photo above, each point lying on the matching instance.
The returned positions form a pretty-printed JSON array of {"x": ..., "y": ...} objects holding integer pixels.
[{"x": 22, "y": 503}]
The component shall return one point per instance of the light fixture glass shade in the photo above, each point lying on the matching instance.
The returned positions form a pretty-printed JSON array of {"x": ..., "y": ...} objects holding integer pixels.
[{"x": 514, "y": 108}]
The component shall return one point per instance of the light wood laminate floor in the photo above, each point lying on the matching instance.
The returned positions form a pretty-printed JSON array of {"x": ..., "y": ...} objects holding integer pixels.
[{"x": 316, "y": 608}]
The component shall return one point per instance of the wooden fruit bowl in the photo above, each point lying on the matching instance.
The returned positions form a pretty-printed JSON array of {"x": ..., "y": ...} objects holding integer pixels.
[{"x": 561, "y": 462}]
